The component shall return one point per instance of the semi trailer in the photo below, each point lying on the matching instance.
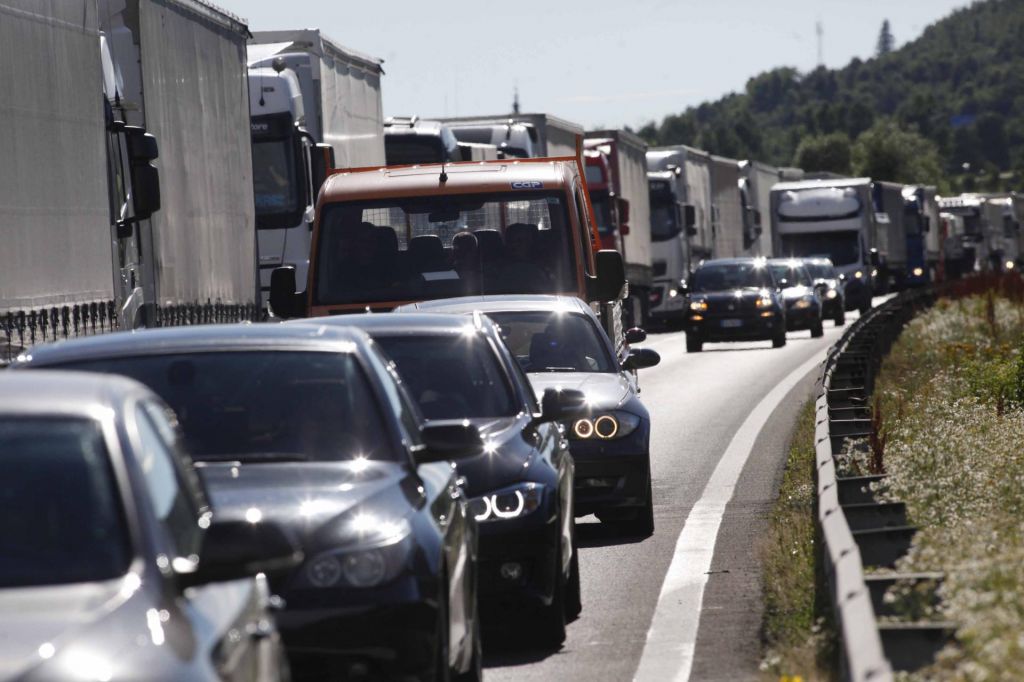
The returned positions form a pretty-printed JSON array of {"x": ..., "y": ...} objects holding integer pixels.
[{"x": 314, "y": 105}]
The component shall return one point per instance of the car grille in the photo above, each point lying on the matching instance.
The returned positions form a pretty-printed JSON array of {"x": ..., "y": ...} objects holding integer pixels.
[{"x": 739, "y": 306}]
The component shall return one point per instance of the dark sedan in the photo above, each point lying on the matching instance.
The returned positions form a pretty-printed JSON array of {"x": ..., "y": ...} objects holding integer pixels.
[
  {"x": 559, "y": 342},
  {"x": 801, "y": 297},
  {"x": 521, "y": 485},
  {"x": 110, "y": 567},
  {"x": 310, "y": 427},
  {"x": 734, "y": 299}
]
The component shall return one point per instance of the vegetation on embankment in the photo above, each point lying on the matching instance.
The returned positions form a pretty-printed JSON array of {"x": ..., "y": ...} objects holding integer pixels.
[
  {"x": 951, "y": 397},
  {"x": 799, "y": 640}
]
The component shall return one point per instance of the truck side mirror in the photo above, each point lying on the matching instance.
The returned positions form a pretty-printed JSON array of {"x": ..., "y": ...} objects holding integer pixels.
[
  {"x": 623, "y": 208},
  {"x": 757, "y": 220},
  {"x": 322, "y": 160},
  {"x": 142, "y": 149},
  {"x": 690, "y": 218},
  {"x": 284, "y": 300},
  {"x": 611, "y": 276}
]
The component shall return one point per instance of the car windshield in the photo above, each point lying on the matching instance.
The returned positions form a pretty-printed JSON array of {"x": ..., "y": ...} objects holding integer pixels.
[
  {"x": 839, "y": 247},
  {"x": 795, "y": 275},
  {"x": 821, "y": 270},
  {"x": 62, "y": 516},
  {"x": 555, "y": 342},
  {"x": 400, "y": 150},
  {"x": 452, "y": 376},
  {"x": 409, "y": 249},
  {"x": 728, "y": 276},
  {"x": 260, "y": 406}
]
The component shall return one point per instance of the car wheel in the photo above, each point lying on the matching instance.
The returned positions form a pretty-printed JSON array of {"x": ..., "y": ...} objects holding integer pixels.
[
  {"x": 550, "y": 624},
  {"x": 573, "y": 597},
  {"x": 694, "y": 344},
  {"x": 644, "y": 525},
  {"x": 441, "y": 672},
  {"x": 840, "y": 316},
  {"x": 779, "y": 340},
  {"x": 817, "y": 329}
]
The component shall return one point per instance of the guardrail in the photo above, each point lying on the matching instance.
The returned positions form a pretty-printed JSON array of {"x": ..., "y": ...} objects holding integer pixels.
[{"x": 856, "y": 529}]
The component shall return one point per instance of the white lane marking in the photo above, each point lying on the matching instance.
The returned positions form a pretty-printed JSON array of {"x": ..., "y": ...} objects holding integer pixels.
[{"x": 672, "y": 638}]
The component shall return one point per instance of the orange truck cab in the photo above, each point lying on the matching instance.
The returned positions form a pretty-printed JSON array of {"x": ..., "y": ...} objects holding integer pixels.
[{"x": 387, "y": 236}]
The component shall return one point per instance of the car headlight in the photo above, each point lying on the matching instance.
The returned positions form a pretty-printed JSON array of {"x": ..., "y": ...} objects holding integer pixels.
[
  {"x": 377, "y": 554},
  {"x": 803, "y": 303},
  {"x": 858, "y": 275},
  {"x": 764, "y": 302},
  {"x": 605, "y": 426},
  {"x": 918, "y": 272},
  {"x": 831, "y": 293},
  {"x": 698, "y": 306},
  {"x": 508, "y": 503},
  {"x": 672, "y": 293}
]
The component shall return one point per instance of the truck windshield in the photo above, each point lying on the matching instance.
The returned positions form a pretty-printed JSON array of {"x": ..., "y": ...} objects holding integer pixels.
[
  {"x": 839, "y": 247},
  {"x": 602, "y": 211},
  {"x": 819, "y": 203},
  {"x": 402, "y": 150},
  {"x": 263, "y": 406},
  {"x": 713, "y": 277},
  {"x": 275, "y": 185},
  {"x": 62, "y": 514},
  {"x": 416, "y": 248},
  {"x": 664, "y": 217}
]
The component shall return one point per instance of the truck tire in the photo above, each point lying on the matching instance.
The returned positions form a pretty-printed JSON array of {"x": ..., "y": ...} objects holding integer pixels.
[{"x": 694, "y": 344}]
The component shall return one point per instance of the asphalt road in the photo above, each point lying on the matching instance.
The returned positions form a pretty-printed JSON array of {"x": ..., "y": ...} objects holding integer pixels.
[{"x": 734, "y": 402}]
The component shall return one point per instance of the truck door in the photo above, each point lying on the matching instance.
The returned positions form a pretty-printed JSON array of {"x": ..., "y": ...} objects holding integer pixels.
[{"x": 126, "y": 255}]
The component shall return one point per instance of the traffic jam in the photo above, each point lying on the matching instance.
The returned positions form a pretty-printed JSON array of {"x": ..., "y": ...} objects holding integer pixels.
[{"x": 339, "y": 421}]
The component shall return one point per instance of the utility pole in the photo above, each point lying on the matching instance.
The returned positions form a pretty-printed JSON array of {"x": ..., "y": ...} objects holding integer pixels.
[
  {"x": 515, "y": 101},
  {"x": 820, "y": 30}
]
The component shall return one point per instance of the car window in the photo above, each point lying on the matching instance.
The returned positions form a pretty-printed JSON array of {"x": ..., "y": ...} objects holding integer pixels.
[
  {"x": 400, "y": 404},
  {"x": 451, "y": 376},
  {"x": 726, "y": 276},
  {"x": 63, "y": 521},
  {"x": 263, "y": 406},
  {"x": 170, "y": 500},
  {"x": 543, "y": 341}
]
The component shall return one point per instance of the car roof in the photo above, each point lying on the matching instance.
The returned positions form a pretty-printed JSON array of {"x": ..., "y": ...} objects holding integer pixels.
[
  {"x": 62, "y": 393},
  {"x": 423, "y": 323},
  {"x": 495, "y": 304},
  {"x": 198, "y": 338}
]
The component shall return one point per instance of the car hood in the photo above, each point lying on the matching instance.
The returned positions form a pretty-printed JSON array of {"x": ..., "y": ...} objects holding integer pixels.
[
  {"x": 730, "y": 295},
  {"x": 505, "y": 461},
  {"x": 604, "y": 390},
  {"x": 63, "y": 619},
  {"x": 790, "y": 293},
  {"x": 308, "y": 498}
]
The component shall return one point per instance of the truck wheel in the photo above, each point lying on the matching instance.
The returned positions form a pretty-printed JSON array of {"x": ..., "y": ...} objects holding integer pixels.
[
  {"x": 694, "y": 344},
  {"x": 817, "y": 329}
]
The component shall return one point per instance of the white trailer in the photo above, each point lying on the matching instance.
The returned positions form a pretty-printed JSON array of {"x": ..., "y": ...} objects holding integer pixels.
[
  {"x": 731, "y": 239},
  {"x": 95, "y": 237},
  {"x": 519, "y": 135},
  {"x": 309, "y": 97}
]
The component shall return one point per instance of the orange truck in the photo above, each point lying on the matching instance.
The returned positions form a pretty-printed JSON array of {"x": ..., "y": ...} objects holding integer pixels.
[{"x": 392, "y": 235}]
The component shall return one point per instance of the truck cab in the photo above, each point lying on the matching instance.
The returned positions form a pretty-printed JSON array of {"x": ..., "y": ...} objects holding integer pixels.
[
  {"x": 673, "y": 226},
  {"x": 409, "y": 140},
  {"x": 387, "y": 236}
]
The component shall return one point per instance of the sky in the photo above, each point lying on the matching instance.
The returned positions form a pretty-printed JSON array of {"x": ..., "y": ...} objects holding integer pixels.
[{"x": 601, "y": 63}]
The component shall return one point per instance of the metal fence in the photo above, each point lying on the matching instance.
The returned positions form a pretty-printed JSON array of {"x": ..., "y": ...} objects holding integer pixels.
[{"x": 857, "y": 529}]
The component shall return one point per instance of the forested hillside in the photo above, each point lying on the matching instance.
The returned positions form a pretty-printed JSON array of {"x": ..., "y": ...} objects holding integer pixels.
[{"x": 960, "y": 86}]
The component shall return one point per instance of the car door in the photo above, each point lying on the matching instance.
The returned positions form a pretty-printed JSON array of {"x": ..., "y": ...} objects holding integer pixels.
[{"x": 228, "y": 621}]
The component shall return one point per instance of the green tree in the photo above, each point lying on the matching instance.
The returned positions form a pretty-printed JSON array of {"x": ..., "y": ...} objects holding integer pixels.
[
  {"x": 824, "y": 153},
  {"x": 887, "y": 152},
  {"x": 885, "y": 40}
]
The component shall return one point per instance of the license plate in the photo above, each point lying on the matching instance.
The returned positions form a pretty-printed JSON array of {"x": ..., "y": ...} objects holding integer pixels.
[{"x": 729, "y": 324}]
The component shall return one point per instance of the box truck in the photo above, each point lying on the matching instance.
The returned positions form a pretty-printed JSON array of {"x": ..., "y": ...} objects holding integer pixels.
[{"x": 314, "y": 104}]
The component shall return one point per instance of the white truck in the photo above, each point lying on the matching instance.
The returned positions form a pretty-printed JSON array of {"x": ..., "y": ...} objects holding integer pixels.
[
  {"x": 732, "y": 238},
  {"x": 616, "y": 173},
  {"x": 682, "y": 211},
  {"x": 95, "y": 236},
  {"x": 835, "y": 219},
  {"x": 314, "y": 105},
  {"x": 756, "y": 182},
  {"x": 521, "y": 136}
]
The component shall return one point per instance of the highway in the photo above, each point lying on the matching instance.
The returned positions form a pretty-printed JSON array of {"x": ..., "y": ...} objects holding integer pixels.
[{"x": 721, "y": 422}]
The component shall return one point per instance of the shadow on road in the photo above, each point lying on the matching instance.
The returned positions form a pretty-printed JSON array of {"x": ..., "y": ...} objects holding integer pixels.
[{"x": 604, "y": 535}]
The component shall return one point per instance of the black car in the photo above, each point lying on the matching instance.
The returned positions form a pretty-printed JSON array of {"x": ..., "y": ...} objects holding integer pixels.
[
  {"x": 799, "y": 294},
  {"x": 110, "y": 567},
  {"x": 830, "y": 287},
  {"x": 559, "y": 343},
  {"x": 311, "y": 428},
  {"x": 521, "y": 485},
  {"x": 734, "y": 299}
]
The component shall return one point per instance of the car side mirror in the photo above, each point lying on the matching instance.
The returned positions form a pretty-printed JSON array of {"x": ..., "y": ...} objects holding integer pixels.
[
  {"x": 611, "y": 276},
  {"x": 557, "y": 405},
  {"x": 448, "y": 440},
  {"x": 232, "y": 550},
  {"x": 874, "y": 258},
  {"x": 636, "y": 335},
  {"x": 641, "y": 358},
  {"x": 284, "y": 300}
]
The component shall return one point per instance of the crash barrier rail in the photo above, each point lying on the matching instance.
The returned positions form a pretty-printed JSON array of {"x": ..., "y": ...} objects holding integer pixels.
[
  {"x": 23, "y": 329},
  {"x": 858, "y": 530}
]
